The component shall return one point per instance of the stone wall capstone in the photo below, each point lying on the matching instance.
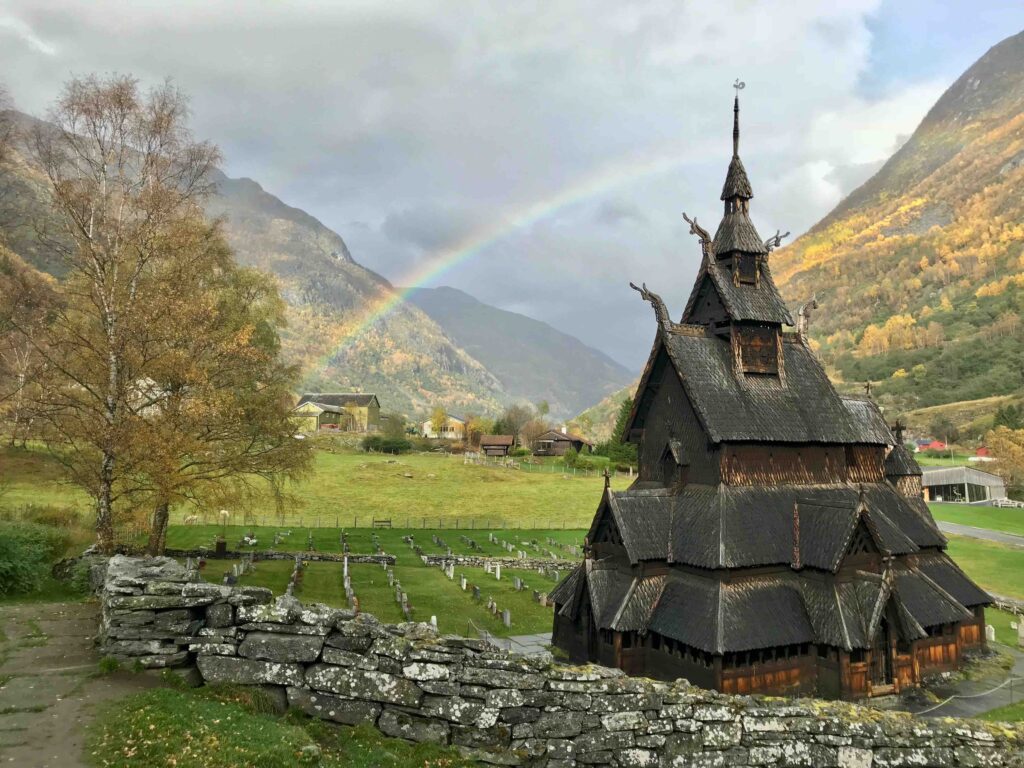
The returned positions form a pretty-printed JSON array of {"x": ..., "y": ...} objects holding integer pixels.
[{"x": 498, "y": 707}]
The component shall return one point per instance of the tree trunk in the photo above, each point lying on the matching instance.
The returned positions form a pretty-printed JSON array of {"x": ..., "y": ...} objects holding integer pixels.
[
  {"x": 104, "y": 505},
  {"x": 158, "y": 535}
]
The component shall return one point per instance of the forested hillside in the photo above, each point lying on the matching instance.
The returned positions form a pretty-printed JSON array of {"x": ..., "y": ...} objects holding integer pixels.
[{"x": 919, "y": 273}]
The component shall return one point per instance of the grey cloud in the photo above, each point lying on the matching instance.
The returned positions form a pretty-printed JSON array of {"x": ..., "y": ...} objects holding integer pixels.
[
  {"x": 410, "y": 126},
  {"x": 615, "y": 212}
]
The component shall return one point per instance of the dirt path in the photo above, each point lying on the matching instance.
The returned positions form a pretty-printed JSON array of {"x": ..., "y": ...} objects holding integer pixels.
[{"x": 49, "y": 688}]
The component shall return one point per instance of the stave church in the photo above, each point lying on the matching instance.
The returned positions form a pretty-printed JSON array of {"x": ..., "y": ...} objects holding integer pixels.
[{"x": 776, "y": 540}]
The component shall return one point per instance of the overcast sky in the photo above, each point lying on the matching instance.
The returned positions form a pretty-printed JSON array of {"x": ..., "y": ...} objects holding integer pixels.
[{"x": 562, "y": 138}]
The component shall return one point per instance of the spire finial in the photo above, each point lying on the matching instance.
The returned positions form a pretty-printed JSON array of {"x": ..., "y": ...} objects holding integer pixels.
[{"x": 739, "y": 85}]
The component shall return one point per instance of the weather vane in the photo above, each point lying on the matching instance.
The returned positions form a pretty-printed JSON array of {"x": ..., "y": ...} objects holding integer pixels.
[{"x": 739, "y": 85}]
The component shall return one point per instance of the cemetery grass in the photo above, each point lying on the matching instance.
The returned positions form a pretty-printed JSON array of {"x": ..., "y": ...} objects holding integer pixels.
[
  {"x": 1000, "y": 620},
  {"x": 225, "y": 727},
  {"x": 429, "y": 590},
  {"x": 1006, "y": 519}
]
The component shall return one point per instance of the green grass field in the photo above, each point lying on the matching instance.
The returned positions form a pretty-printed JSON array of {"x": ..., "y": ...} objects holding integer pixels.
[
  {"x": 1005, "y": 519},
  {"x": 996, "y": 567},
  {"x": 352, "y": 489},
  {"x": 230, "y": 726},
  {"x": 956, "y": 460}
]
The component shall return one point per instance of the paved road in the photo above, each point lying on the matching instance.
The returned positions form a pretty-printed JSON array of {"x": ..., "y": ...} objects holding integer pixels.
[
  {"x": 974, "y": 696},
  {"x": 48, "y": 689},
  {"x": 982, "y": 533},
  {"x": 530, "y": 644}
]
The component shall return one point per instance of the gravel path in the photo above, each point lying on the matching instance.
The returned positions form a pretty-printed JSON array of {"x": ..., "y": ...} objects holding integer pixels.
[
  {"x": 982, "y": 533},
  {"x": 49, "y": 689}
]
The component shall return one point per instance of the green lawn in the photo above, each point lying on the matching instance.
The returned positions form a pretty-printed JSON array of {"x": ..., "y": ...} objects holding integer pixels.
[
  {"x": 1005, "y": 519},
  {"x": 352, "y": 489},
  {"x": 996, "y": 567},
  {"x": 225, "y": 727},
  {"x": 1000, "y": 620},
  {"x": 1011, "y": 713},
  {"x": 956, "y": 460},
  {"x": 31, "y": 478}
]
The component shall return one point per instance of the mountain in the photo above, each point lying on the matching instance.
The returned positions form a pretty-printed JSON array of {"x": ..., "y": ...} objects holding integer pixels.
[
  {"x": 598, "y": 422},
  {"x": 412, "y": 361},
  {"x": 532, "y": 360},
  {"x": 919, "y": 273},
  {"x": 402, "y": 355}
]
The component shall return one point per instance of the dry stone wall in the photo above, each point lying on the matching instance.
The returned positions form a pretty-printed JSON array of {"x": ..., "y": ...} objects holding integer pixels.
[{"x": 498, "y": 707}]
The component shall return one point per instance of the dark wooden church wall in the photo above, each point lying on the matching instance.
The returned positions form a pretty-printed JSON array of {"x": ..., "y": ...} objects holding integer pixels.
[
  {"x": 909, "y": 486},
  {"x": 770, "y": 464},
  {"x": 671, "y": 661},
  {"x": 865, "y": 463},
  {"x": 708, "y": 309},
  {"x": 672, "y": 416}
]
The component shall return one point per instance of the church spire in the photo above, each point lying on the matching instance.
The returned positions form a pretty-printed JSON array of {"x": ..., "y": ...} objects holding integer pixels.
[
  {"x": 737, "y": 188},
  {"x": 736, "y": 118}
]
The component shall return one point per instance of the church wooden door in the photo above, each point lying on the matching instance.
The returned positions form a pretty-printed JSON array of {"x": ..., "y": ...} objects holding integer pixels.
[{"x": 881, "y": 657}]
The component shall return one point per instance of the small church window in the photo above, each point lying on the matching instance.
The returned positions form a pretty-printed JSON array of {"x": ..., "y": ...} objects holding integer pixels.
[
  {"x": 759, "y": 350},
  {"x": 746, "y": 269}
]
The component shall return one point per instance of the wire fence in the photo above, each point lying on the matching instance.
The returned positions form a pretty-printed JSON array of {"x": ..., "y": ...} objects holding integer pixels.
[
  {"x": 1008, "y": 682},
  {"x": 544, "y": 467}
]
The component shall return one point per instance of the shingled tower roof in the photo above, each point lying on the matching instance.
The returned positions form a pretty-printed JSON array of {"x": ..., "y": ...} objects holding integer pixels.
[
  {"x": 736, "y": 182},
  {"x": 737, "y": 232},
  {"x": 737, "y": 239}
]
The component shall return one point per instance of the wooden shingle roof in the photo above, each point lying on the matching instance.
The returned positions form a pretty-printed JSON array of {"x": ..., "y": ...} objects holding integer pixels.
[
  {"x": 746, "y": 526},
  {"x": 805, "y": 408}
]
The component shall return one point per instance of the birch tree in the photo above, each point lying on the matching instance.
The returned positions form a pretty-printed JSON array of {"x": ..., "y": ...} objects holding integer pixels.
[{"x": 123, "y": 173}]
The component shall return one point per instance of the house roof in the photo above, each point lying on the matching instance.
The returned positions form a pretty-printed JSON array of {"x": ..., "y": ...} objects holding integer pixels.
[
  {"x": 449, "y": 417},
  {"x": 804, "y": 408},
  {"x": 745, "y": 526},
  {"x": 950, "y": 475},
  {"x": 338, "y": 399},
  {"x": 554, "y": 434},
  {"x": 500, "y": 440}
]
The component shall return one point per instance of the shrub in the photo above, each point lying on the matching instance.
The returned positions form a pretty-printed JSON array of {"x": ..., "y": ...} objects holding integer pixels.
[
  {"x": 26, "y": 552},
  {"x": 382, "y": 444},
  {"x": 519, "y": 452},
  {"x": 570, "y": 457}
]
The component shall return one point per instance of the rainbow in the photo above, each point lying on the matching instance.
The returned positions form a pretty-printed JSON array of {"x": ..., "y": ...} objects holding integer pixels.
[{"x": 606, "y": 179}]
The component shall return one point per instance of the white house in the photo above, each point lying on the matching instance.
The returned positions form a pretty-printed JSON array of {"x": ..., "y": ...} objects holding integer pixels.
[{"x": 454, "y": 429}]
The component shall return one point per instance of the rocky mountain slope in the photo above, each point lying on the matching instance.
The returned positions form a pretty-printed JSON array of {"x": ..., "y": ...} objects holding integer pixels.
[
  {"x": 409, "y": 359},
  {"x": 403, "y": 356},
  {"x": 532, "y": 360},
  {"x": 919, "y": 273}
]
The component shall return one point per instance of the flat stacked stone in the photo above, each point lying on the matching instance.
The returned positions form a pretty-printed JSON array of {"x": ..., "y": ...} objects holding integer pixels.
[{"x": 498, "y": 707}]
